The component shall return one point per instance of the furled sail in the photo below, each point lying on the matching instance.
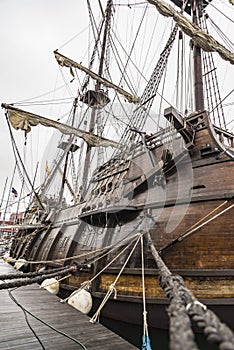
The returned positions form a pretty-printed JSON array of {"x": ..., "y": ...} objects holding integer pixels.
[
  {"x": 200, "y": 38},
  {"x": 25, "y": 120},
  {"x": 67, "y": 62}
]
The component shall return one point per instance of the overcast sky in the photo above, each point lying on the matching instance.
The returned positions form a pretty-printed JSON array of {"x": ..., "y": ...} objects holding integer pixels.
[
  {"x": 30, "y": 30},
  {"x": 29, "y": 33}
]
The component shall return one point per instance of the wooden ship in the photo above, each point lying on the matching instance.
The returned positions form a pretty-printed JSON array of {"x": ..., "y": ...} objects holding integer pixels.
[{"x": 175, "y": 182}]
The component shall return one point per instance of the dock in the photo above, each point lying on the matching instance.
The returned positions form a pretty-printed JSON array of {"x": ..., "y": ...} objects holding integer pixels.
[{"x": 15, "y": 332}]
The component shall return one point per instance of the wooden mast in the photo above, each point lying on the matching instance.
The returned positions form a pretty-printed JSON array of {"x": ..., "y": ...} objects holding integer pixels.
[
  {"x": 67, "y": 154},
  {"x": 97, "y": 87},
  {"x": 198, "y": 80}
]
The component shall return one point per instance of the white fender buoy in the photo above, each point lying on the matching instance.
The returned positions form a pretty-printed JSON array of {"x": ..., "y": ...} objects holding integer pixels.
[
  {"x": 19, "y": 263},
  {"x": 6, "y": 256},
  {"x": 7, "y": 259},
  {"x": 81, "y": 301},
  {"x": 51, "y": 284}
]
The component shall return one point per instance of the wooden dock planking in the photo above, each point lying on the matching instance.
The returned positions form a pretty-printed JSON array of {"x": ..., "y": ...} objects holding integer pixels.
[{"x": 15, "y": 333}]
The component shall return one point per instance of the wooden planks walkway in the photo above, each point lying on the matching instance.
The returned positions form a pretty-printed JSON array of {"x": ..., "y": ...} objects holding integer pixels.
[{"x": 16, "y": 334}]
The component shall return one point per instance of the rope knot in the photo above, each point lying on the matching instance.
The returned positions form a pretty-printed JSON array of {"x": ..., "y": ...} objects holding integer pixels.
[
  {"x": 145, "y": 316},
  {"x": 113, "y": 290}
]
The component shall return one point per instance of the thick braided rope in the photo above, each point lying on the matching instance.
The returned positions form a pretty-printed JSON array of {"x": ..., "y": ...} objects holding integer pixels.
[
  {"x": 182, "y": 304},
  {"x": 181, "y": 333},
  {"x": 214, "y": 330},
  {"x": 13, "y": 276},
  {"x": 38, "y": 279}
]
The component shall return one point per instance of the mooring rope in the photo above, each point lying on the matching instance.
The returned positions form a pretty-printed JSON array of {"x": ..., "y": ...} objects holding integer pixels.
[
  {"x": 112, "y": 288},
  {"x": 199, "y": 224},
  {"x": 100, "y": 250},
  {"x": 53, "y": 282},
  {"x": 31, "y": 274},
  {"x": 38, "y": 279},
  {"x": 183, "y": 305},
  {"x": 145, "y": 338},
  {"x": 87, "y": 284}
]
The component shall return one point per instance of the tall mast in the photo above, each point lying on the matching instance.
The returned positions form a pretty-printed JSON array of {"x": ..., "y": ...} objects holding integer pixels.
[
  {"x": 97, "y": 87},
  {"x": 3, "y": 194},
  {"x": 67, "y": 154},
  {"x": 198, "y": 80}
]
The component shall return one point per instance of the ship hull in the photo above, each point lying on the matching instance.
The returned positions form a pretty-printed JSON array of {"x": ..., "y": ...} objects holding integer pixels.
[
  {"x": 130, "y": 311},
  {"x": 188, "y": 212}
]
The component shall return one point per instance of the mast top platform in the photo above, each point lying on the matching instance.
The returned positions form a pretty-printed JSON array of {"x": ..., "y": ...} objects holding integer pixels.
[{"x": 188, "y": 6}]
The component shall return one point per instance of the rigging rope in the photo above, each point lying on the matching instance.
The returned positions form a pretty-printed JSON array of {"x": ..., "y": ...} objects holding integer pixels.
[
  {"x": 145, "y": 338},
  {"x": 150, "y": 91},
  {"x": 10, "y": 190},
  {"x": 211, "y": 4},
  {"x": 212, "y": 86},
  {"x": 107, "y": 248},
  {"x": 195, "y": 227},
  {"x": 15, "y": 148}
]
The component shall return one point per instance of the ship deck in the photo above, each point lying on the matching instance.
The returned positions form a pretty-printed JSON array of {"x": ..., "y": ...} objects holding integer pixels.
[{"x": 16, "y": 334}]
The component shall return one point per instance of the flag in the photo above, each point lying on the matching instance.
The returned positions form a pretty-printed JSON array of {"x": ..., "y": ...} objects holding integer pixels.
[
  {"x": 14, "y": 192},
  {"x": 47, "y": 169}
]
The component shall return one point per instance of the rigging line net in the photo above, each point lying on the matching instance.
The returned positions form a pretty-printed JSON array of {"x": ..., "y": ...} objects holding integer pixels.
[
  {"x": 29, "y": 101},
  {"x": 140, "y": 114},
  {"x": 9, "y": 192},
  {"x": 17, "y": 160},
  {"x": 119, "y": 62},
  {"x": 74, "y": 178}
]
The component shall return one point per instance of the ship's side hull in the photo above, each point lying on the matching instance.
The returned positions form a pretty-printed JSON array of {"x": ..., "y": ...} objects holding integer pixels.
[{"x": 191, "y": 210}]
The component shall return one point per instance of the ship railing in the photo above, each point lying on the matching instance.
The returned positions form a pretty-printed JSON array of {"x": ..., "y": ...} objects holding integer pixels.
[
  {"x": 162, "y": 137},
  {"x": 226, "y": 137}
]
